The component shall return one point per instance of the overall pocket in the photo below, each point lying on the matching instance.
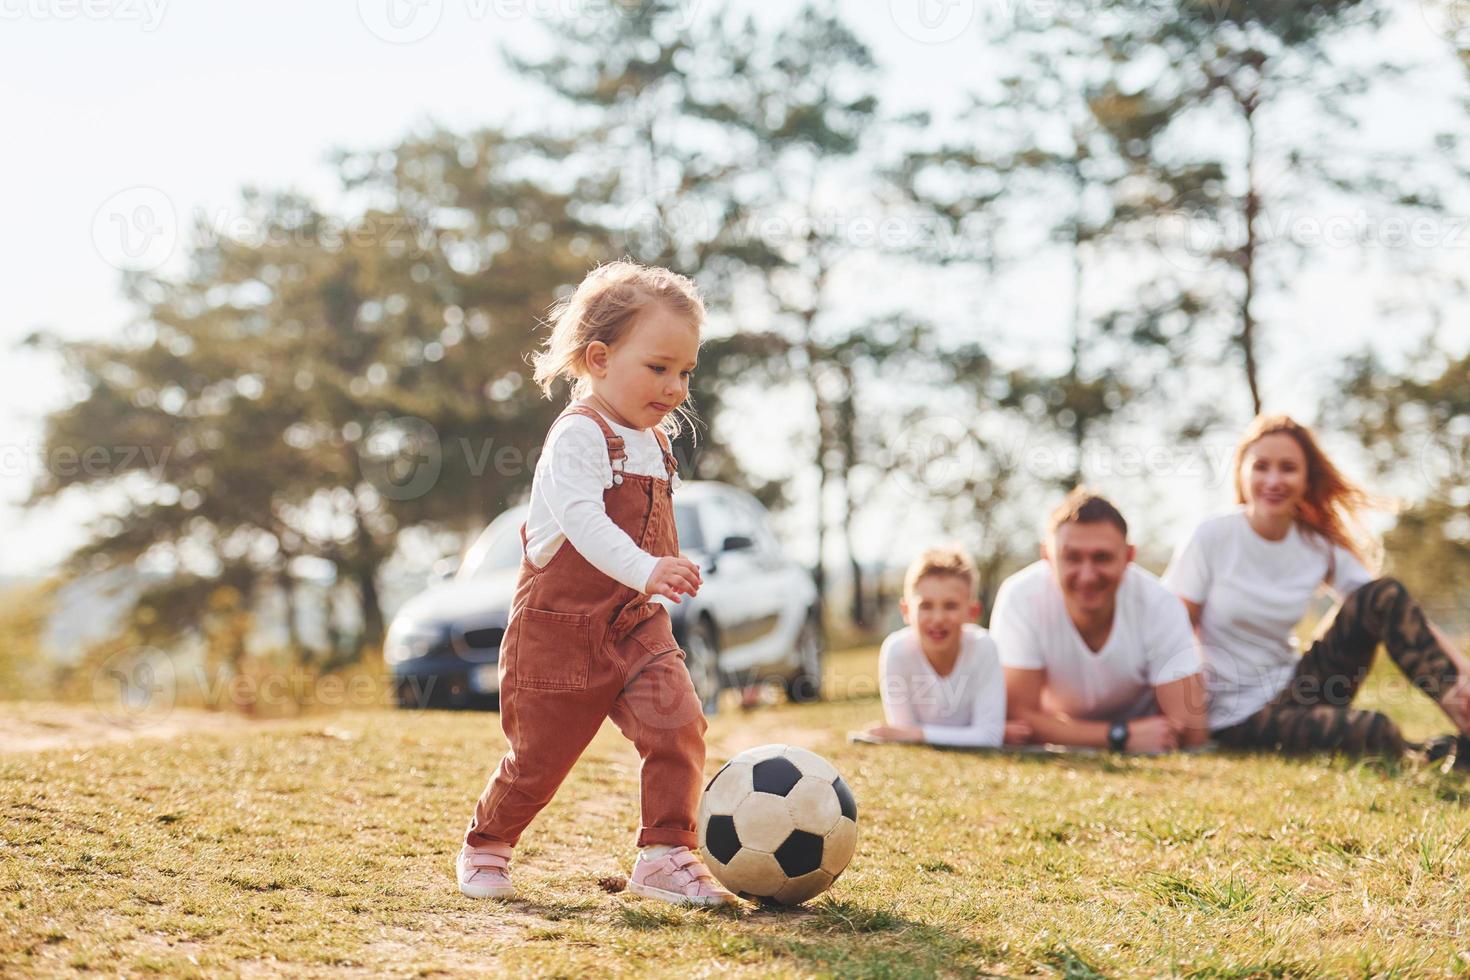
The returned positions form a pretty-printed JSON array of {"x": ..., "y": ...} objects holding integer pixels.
[{"x": 553, "y": 650}]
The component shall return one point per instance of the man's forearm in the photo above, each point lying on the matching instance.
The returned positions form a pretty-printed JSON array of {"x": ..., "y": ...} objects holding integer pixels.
[
  {"x": 1193, "y": 727},
  {"x": 1183, "y": 703},
  {"x": 1193, "y": 737},
  {"x": 1059, "y": 730}
]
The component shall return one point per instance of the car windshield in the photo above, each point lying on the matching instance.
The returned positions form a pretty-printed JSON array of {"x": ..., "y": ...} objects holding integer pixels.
[{"x": 502, "y": 555}]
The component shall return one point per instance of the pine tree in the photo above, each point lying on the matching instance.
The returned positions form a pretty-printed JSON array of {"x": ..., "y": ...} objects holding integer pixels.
[{"x": 314, "y": 385}]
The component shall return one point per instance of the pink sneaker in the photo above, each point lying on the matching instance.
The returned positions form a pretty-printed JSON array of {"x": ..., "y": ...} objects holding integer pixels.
[
  {"x": 484, "y": 872},
  {"x": 678, "y": 876}
]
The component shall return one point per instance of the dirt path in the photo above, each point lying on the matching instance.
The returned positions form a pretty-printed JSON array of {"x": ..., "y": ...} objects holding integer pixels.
[{"x": 37, "y": 726}]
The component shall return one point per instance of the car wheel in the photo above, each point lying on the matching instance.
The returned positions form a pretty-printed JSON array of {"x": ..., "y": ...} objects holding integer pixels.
[
  {"x": 702, "y": 657},
  {"x": 805, "y": 685}
]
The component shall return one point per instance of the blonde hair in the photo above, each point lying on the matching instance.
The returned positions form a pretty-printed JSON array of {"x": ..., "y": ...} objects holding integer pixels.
[
  {"x": 603, "y": 308},
  {"x": 941, "y": 561},
  {"x": 1332, "y": 505}
]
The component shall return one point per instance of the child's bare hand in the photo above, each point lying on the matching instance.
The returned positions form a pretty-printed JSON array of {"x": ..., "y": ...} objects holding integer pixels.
[
  {"x": 672, "y": 576},
  {"x": 896, "y": 733},
  {"x": 1018, "y": 733}
]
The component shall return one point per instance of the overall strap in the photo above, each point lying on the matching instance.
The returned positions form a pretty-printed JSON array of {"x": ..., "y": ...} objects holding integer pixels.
[
  {"x": 617, "y": 455},
  {"x": 670, "y": 463}
]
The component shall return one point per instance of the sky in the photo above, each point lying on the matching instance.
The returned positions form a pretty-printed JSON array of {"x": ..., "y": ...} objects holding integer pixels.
[{"x": 157, "y": 112}]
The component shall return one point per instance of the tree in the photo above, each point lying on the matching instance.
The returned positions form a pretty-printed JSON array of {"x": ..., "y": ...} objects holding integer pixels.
[
  {"x": 1415, "y": 420},
  {"x": 655, "y": 178},
  {"x": 717, "y": 147},
  {"x": 1046, "y": 159},
  {"x": 276, "y": 390},
  {"x": 1275, "y": 83},
  {"x": 801, "y": 102}
]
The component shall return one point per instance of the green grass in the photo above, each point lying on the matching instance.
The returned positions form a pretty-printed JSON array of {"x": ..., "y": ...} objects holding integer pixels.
[{"x": 278, "y": 850}]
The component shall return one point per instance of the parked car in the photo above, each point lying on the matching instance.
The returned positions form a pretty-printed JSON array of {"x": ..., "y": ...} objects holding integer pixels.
[{"x": 756, "y": 618}]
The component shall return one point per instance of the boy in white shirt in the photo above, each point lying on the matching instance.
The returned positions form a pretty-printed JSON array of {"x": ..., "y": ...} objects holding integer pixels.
[
  {"x": 1097, "y": 652},
  {"x": 940, "y": 676}
]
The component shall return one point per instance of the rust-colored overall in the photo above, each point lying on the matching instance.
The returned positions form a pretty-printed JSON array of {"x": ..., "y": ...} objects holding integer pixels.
[{"x": 580, "y": 647}]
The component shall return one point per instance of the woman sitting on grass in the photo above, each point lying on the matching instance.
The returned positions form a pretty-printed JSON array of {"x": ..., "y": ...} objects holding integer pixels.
[
  {"x": 1247, "y": 577},
  {"x": 940, "y": 676}
]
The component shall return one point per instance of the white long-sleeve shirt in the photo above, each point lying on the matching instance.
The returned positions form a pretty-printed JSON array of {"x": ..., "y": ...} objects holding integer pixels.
[
  {"x": 965, "y": 708},
  {"x": 566, "y": 498}
]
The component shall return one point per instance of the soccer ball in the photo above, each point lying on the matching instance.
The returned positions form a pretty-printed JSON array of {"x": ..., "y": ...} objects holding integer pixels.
[{"x": 777, "y": 824}]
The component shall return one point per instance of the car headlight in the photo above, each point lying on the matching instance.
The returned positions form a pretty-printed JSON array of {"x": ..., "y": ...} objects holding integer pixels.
[{"x": 409, "y": 641}]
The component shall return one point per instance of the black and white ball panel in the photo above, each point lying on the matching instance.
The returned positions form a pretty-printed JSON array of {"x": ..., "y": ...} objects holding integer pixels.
[
  {"x": 777, "y": 776},
  {"x": 778, "y": 823},
  {"x": 720, "y": 841}
]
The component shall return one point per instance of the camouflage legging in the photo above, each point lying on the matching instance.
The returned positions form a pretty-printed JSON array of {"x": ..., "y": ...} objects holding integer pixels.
[{"x": 1312, "y": 712}]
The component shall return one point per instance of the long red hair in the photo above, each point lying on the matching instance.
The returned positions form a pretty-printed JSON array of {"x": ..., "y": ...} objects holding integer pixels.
[{"x": 1332, "y": 505}]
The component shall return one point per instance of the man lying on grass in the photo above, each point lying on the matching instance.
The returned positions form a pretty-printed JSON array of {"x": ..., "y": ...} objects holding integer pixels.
[
  {"x": 1097, "y": 653},
  {"x": 939, "y": 676}
]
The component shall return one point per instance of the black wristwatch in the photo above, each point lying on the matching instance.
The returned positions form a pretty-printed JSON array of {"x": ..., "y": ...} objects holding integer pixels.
[{"x": 1118, "y": 736}]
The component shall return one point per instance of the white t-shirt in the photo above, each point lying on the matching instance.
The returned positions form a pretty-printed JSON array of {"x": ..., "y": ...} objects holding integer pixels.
[
  {"x": 965, "y": 708},
  {"x": 566, "y": 498},
  {"x": 1254, "y": 592},
  {"x": 1150, "y": 644}
]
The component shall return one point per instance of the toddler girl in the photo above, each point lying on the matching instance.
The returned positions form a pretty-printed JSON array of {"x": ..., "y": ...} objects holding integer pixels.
[{"x": 584, "y": 642}]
